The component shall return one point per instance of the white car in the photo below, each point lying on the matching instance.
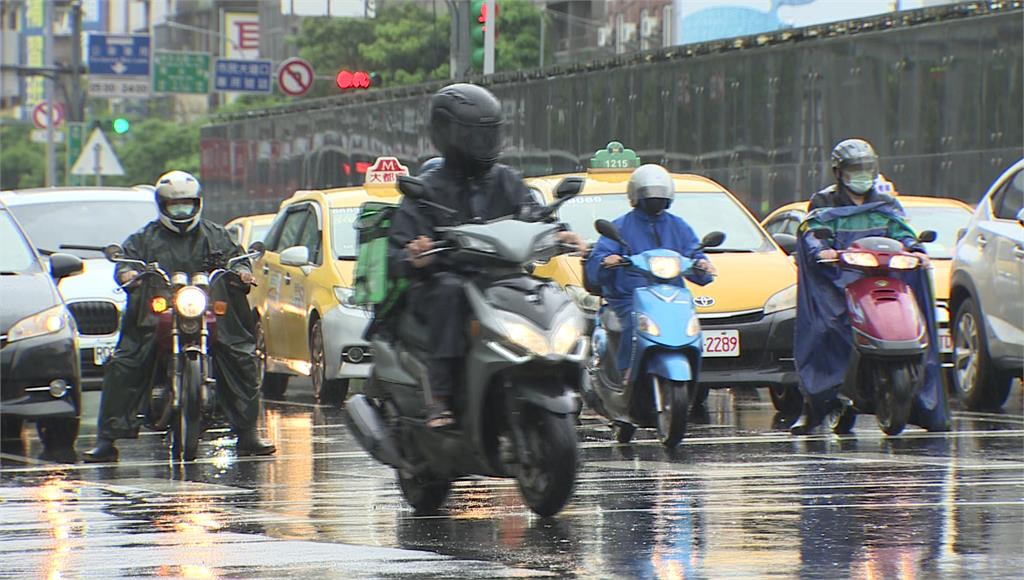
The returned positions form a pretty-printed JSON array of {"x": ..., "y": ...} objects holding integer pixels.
[
  {"x": 987, "y": 295},
  {"x": 87, "y": 216}
]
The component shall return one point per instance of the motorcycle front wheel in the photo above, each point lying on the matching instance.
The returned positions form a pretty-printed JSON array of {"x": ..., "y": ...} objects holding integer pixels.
[
  {"x": 894, "y": 394},
  {"x": 186, "y": 427},
  {"x": 546, "y": 483},
  {"x": 675, "y": 404},
  {"x": 425, "y": 494}
]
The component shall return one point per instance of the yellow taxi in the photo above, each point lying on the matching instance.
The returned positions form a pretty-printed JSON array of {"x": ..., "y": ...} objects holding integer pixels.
[
  {"x": 307, "y": 322},
  {"x": 943, "y": 215},
  {"x": 251, "y": 228},
  {"x": 747, "y": 313}
]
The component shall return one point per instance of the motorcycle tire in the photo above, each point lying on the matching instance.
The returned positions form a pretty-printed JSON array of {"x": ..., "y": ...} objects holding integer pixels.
[
  {"x": 187, "y": 425},
  {"x": 624, "y": 432},
  {"x": 893, "y": 396},
  {"x": 548, "y": 482},
  {"x": 424, "y": 493},
  {"x": 675, "y": 403}
]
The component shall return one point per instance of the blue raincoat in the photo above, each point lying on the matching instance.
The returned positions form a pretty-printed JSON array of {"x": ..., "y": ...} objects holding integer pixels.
[
  {"x": 642, "y": 232},
  {"x": 824, "y": 337}
]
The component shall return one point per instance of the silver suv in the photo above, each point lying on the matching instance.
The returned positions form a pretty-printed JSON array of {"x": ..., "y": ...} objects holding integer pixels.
[{"x": 987, "y": 295}]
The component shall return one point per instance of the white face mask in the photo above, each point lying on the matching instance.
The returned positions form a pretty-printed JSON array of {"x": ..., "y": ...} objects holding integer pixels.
[{"x": 859, "y": 182}]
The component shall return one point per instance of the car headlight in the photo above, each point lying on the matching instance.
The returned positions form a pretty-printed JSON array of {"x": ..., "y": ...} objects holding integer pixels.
[
  {"x": 190, "y": 302},
  {"x": 566, "y": 336},
  {"x": 46, "y": 322},
  {"x": 900, "y": 262},
  {"x": 477, "y": 245},
  {"x": 693, "y": 328},
  {"x": 585, "y": 300},
  {"x": 941, "y": 313},
  {"x": 527, "y": 338},
  {"x": 647, "y": 326},
  {"x": 344, "y": 296},
  {"x": 665, "y": 267},
  {"x": 782, "y": 300},
  {"x": 862, "y": 259}
]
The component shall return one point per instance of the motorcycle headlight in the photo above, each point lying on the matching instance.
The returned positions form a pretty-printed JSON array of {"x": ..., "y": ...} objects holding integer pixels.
[
  {"x": 647, "y": 326},
  {"x": 566, "y": 336},
  {"x": 190, "y": 302},
  {"x": 904, "y": 262},
  {"x": 46, "y": 322},
  {"x": 585, "y": 300},
  {"x": 693, "y": 328},
  {"x": 665, "y": 267},
  {"x": 477, "y": 245},
  {"x": 524, "y": 336},
  {"x": 862, "y": 259},
  {"x": 782, "y": 300}
]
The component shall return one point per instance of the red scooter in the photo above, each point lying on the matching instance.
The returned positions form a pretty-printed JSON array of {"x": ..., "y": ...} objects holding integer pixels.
[{"x": 890, "y": 335}]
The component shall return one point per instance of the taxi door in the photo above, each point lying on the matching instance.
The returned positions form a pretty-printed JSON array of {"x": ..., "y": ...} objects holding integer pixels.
[
  {"x": 278, "y": 281},
  {"x": 294, "y": 292}
]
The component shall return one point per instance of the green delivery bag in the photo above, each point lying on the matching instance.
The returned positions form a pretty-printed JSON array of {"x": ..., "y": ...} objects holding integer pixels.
[{"x": 372, "y": 285}]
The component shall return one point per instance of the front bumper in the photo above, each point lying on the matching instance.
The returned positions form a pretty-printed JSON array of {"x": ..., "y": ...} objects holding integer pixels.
[
  {"x": 347, "y": 354},
  {"x": 29, "y": 366},
  {"x": 766, "y": 351}
]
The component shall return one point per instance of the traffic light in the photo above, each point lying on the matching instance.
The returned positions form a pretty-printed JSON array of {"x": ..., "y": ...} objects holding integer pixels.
[
  {"x": 121, "y": 125},
  {"x": 347, "y": 79},
  {"x": 478, "y": 29}
]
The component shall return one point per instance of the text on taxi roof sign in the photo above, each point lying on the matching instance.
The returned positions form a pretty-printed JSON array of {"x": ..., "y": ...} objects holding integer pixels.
[
  {"x": 385, "y": 171},
  {"x": 615, "y": 156}
]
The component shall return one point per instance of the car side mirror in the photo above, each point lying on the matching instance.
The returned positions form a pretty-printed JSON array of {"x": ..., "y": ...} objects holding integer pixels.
[
  {"x": 712, "y": 240},
  {"x": 787, "y": 242},
  {"x": 569, "y": 187},
  {"x": 927, "y": 236},
  {"x": 297, "y": 256},
  {"x": 64, "y": 265}
]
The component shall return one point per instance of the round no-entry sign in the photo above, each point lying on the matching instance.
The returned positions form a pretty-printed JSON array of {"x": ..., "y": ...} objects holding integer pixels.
[
  {"x": 41, "y": 114},
  {"x": 295, "y": 77}
]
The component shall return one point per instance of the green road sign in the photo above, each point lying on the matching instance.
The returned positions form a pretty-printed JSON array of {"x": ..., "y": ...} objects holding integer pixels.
[
  {"x": 181, "y": 72},
  {"x": 73, "y": 149}
]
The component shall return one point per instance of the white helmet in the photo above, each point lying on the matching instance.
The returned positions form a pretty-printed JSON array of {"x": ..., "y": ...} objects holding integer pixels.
[
  {"x": 179, "y": 201},
  {"x": 651, "y": 182}
]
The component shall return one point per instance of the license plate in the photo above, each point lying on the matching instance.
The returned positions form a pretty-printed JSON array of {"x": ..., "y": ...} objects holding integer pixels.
[
  {"x": 721, "y": 343},
  {"x": 945, "y": 341},
  {"x": 100, "y": 354}
]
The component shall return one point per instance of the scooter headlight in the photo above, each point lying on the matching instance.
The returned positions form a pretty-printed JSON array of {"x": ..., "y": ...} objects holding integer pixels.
[
  {"x": 647, "y": 326},
  {"x": 693, "y": 328},
  {"x": 527, "y": 338},
  {"x": 862, "y": 259},
  {"x": 190, "y": 302},
  {"x": 665, "y": 267},
  {"x": 901, "y": 262},
  {"x": 566, "y": 336}
]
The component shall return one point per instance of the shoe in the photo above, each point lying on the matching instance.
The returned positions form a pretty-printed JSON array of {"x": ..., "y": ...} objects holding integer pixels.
[
  {"x": 249, "y": 443},
  {"x": 807, "y": 423},
  {"x": 103, "y": 452}
]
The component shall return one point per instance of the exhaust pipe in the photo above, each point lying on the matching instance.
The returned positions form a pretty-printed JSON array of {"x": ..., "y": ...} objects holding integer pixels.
[{"x": 364, "y": 421}]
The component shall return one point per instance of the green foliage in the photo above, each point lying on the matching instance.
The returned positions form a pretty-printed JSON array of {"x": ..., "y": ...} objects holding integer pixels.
[{"x": 518, "y": 36}]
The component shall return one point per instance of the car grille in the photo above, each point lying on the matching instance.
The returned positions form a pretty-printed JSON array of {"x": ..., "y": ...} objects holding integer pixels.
[
  {"x": 95, "y": 317},
  {"x": 742, "y": 318}
]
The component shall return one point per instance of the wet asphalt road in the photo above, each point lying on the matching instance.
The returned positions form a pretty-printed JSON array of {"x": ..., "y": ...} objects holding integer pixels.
[{"x": 740, "y": 498}]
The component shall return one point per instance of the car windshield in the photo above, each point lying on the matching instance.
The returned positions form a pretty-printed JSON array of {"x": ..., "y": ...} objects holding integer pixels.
[
  {"x": 15, "y": 254},
  {"x": 343, "y": 235},
  {"x": 944, "y": 221},
  {"x": 705, "y": 212},
  {"x": 82, "y": 222}
]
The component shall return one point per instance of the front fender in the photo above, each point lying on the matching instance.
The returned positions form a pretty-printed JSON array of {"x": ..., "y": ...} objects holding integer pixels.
[
  {"x": 674, "y": 366},
  {"x": 565, "y": 403}
]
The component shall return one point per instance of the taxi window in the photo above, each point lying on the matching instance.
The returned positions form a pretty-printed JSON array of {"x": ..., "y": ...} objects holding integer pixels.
[
  {"x": 705, "y": 212},
  {"x": 290, "y": 230},
  {"x": 310, "y": 238},
  {"x": 343, "y": 235},
  {"x": 945, "y": 221}
]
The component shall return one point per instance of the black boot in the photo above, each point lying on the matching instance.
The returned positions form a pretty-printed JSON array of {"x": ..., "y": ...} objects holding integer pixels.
[
  {"x": 249, "y": 443},
  {"x": 103, "y": 452},
  {"x": 808, "y": 421}
]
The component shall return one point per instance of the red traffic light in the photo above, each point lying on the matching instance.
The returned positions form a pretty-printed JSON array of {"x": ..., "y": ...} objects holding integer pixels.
[{"x": 353, "y": 80}]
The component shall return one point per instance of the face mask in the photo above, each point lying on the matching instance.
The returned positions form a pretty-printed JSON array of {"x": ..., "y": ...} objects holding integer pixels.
[
  {"x": 654, "y": 206},
  {"x": 859, "y": 182},
  {"x": 179, "y": 210}
]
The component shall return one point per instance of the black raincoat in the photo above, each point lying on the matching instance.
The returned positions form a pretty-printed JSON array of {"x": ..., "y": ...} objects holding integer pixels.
[{"x": 130, "y": 371}]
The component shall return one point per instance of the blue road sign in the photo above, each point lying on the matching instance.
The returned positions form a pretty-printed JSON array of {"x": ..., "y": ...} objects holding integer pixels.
[
  {"x": 118, "y": 55},
  {"x": 243, "y": 76}
]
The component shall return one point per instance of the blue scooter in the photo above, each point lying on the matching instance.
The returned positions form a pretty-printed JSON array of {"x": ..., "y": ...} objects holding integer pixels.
[{"x": 667, "y": 347}]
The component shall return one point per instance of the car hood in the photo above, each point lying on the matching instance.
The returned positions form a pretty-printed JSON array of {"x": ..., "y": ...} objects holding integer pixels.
[
  {"x": 25, "y": 295},
  {"x": 96, "y": 282}
]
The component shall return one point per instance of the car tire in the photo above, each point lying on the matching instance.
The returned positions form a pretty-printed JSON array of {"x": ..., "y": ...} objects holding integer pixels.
[
  {"x": 787, "y": 399},
  {"x": 979, "y": 384},
  {"x": 10, "y": 427},
  {"x": 328, "y": 391},
  {"x": 272, "y": 385},
  {"x": 58, "y": 434}
]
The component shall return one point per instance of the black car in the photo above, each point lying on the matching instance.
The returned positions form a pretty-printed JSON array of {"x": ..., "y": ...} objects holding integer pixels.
[{"x": 39, "y": 363}]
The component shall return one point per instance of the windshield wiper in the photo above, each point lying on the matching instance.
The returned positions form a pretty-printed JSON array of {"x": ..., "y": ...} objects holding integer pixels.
[
  {"x": 8, "y": 273},
  {"x": 45, "y": 252}
]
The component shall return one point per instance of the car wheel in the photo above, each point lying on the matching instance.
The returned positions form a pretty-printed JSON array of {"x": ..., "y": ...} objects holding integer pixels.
[
  {"x": 273, "y": 385},
  {"x": 787, "y": 399},
  {"x": 10, "y": 427},
  {"x": 978, "y": 383},
  {"x": 327, "y": 391},
  {"x": 59, "y": 433}
]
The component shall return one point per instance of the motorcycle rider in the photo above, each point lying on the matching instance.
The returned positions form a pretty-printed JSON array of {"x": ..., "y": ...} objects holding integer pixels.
[
  {"x": 852, "y": 208},
  {"x": 648, "y": 226},
  {"x": 465, "y": 126},
  {"x": 180, "y": 240}
]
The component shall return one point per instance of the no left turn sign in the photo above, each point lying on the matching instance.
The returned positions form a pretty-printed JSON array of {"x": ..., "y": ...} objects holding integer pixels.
[{"x": 295, "y": 77}]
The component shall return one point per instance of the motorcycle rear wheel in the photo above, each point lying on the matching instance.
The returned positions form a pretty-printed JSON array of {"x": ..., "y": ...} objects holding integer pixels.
[
  {"x": 675, "y": 407},
  {"x": 894, "y": 394},
  {"x": 547, "y": 483},
  {"x": 187, "y": 425}
]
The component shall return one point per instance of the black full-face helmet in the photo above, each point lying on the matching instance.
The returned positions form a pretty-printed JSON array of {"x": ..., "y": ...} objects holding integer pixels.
[{"x": 465, "y": 126}]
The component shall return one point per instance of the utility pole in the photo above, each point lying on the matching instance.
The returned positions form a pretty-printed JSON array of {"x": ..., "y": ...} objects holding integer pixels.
[
  {"x": 489, "y": 39},
  {"x": 51, "y": 158},
  {"x": 76, "y": 107},
  {"x": 459, "y": 38}
]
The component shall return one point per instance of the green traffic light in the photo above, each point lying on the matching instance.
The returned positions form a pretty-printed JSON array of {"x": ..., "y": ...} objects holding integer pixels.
[{"x": 121, "y": 125}]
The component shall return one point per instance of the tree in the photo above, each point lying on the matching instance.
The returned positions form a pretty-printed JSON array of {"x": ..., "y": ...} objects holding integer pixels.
[
  {"x": 518, "y": 36},
  {"x": 411, "y": 44}
]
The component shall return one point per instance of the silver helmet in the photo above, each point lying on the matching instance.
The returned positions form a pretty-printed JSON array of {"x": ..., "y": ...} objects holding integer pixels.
[
  {"x": 651, "y": 182},
  {"x": 179, "y": 201}
]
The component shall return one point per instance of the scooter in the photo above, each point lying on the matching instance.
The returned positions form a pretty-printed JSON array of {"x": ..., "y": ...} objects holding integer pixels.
[
  {"x": 517, "y": 405},
  {"x": 890, "y": 334},
  {"x": 667, "y": 348}
]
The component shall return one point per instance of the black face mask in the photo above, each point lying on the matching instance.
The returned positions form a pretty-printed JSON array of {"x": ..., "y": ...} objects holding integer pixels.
[{"x": 654, "y": 206}]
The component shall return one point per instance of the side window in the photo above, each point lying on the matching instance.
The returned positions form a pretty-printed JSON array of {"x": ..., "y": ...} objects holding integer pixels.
[
  {"x": 792, "y": 225},
  {"x": 311, "y": 236},
  {"x": 776, "y": 226},
  {"x": 1008, "y": 201},
  {"x": 274, "y": 231},
  {"x": 291, "y": 229}
]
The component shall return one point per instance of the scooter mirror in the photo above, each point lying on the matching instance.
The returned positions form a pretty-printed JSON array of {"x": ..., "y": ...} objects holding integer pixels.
[
  {"x": 608, "y": 230},
  {"x": 927, "y": 236},
  {"x": 713, "y": 239},
  {"x": 569, "y": 187},
  {"x": 787, "y": 242},
  {"x": 823, "y": 234},
  {"x": 113, "y": 251},
  {"x": 257, "y": 248},
  {"x": 412, "y": 187}
]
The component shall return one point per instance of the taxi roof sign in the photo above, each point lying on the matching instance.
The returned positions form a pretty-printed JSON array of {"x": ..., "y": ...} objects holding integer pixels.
[
  {"x": 614, "y": 157},
  {"x": 385, "y": 171}
]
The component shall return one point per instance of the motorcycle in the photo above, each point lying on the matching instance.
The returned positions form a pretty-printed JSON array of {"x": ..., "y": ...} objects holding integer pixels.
[
  {"x": 186, "y": 325},
  {"x": 890, "y": 334},
  {"x": 667, "y": 352},
  {"x": 517, "y": 406}
]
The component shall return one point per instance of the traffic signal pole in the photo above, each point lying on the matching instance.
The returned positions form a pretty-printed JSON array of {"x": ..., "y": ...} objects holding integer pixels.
[
  {"x": 51, "y": 157},
  {"x": 489, "y": 38},
  {"x": 459, "y": 38}
]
